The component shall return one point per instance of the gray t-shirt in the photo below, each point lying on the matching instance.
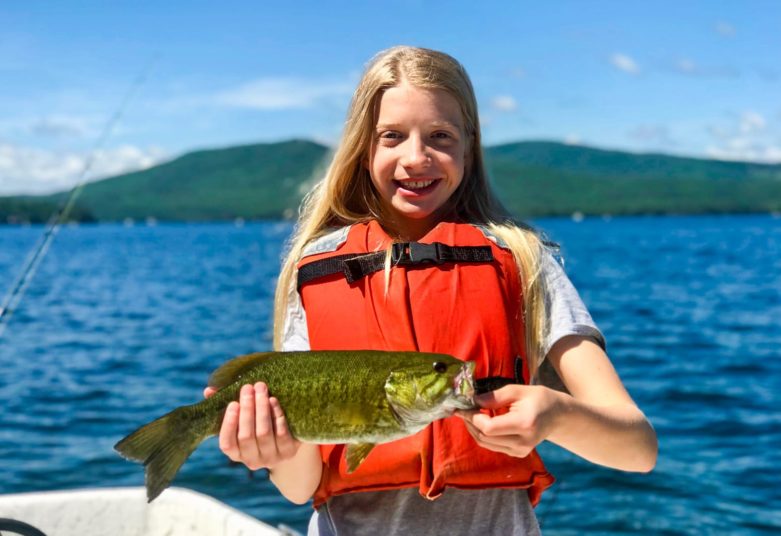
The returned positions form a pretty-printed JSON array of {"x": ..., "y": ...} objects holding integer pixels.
[{"x": 500, "y": 512}]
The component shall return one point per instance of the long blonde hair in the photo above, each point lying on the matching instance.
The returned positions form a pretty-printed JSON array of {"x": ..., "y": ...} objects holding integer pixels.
[{"x": 346, "y": 195}]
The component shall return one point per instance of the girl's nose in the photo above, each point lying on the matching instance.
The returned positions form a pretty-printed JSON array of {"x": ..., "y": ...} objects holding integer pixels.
[{"x": 415, "y": 153}]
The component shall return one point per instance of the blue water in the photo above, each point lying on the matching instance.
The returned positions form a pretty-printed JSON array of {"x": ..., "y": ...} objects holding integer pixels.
[{"x": 121, "y": 324}]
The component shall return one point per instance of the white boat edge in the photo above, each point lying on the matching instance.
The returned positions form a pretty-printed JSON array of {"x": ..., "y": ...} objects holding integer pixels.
[{"x": 125, "y": 512}]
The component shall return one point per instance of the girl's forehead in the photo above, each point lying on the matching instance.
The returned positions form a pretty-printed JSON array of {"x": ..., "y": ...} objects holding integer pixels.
[{"x": 406, "y": 101}]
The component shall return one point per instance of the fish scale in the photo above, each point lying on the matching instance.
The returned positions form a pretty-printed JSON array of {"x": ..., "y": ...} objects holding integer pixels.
[{"x": 346, "y": 407}]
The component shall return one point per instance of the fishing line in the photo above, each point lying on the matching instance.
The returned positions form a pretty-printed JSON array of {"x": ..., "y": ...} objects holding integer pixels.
[{"x": 36, "y": 255}]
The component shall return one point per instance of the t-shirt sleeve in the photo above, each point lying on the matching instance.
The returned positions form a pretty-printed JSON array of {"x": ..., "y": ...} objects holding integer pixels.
[
  {"x": 567, "y": 315},
  {"x": 295, "y": 337}
]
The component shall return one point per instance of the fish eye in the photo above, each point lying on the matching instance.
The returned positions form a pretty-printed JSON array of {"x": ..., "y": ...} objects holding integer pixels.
[{"x": 440, "y": 367}]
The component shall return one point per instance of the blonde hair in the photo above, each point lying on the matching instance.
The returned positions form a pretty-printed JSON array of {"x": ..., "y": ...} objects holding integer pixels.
[{"x": 346, "y": 195}]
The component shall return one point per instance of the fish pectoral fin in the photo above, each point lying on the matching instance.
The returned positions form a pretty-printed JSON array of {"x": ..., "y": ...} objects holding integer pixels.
[{"x": 356, "y": 453}]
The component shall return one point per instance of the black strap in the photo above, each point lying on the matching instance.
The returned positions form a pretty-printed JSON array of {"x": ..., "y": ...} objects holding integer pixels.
[
  {"x": 485, "y": 385},
  {"x": 324, "y": 267},
  {"x": 358, "y": 266}
]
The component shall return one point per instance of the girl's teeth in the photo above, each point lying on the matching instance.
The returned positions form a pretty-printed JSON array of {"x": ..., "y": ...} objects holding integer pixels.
[{"x": 414, "y": 185}]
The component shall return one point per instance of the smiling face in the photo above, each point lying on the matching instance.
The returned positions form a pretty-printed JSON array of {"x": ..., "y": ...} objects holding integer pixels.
[{"x": 418, "y": 156}]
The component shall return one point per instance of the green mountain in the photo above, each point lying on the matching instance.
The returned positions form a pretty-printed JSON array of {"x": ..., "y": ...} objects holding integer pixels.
[
  {"x": 252, "y": 181},
  {"x": 546, "y": 178},
  {"x": 532, "y": 179}
]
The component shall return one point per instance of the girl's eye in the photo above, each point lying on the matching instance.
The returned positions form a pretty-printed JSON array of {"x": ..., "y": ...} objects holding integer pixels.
[
  {"x": 389, "y": 138},
  {"x": 443, "y": 138}
]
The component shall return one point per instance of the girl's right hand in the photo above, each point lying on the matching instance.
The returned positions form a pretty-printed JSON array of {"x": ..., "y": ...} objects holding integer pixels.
[{"x": 254, "y": 430}]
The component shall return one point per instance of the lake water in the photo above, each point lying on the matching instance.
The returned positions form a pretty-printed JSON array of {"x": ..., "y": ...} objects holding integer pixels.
[{"x": 121, "y": 324}]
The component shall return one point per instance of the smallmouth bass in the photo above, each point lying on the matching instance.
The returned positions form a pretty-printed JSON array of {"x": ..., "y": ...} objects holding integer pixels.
[{"x": 360, "y": 397}]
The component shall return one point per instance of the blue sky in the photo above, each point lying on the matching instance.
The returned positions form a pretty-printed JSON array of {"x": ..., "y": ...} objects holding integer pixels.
[{"x": 698, "y": 78}]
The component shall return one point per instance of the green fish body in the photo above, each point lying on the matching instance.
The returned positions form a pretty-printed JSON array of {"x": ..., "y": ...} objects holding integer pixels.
[{"x": 357, "y": 397}]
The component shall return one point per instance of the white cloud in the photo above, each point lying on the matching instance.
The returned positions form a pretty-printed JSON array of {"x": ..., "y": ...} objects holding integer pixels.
[
  {"x": 624, "y": 63},
  {"x": 746, "y": 138},
  {"x": 504, "y": 103},
  {"x": 725, "y": 29},
  {"x": 751, "y": 122},
  {"x": 282, "y": 93},
  {"x": 572, "y": 139},
  {"x": 745, "y": 149},
  {"x": 27, "y": 170}
]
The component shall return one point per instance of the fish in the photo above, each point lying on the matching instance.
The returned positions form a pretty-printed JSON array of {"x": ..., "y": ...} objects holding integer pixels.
[{"x": 359, "y": 397}]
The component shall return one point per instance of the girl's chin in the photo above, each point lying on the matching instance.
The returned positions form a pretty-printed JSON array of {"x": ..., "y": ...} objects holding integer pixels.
[
  {"x": 413, "y": 214},
  {"x": 413, "y": 224}
]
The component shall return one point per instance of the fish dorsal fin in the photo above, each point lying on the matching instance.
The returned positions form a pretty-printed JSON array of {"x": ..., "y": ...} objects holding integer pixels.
[
  {"x": 356, "y": 453},
  {"x": 235, "y": 368}
]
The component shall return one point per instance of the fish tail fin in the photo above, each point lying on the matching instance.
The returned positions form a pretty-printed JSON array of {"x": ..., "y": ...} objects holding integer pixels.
[{"x": 163, "y": 445}]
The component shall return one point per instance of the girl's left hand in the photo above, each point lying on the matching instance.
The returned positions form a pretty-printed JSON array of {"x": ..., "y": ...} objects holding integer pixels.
[{"x": 532, "y": 415}]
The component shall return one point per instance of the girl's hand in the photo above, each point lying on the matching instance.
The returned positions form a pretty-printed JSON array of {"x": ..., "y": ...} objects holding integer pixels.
[
  {"x": 531, "y": 418},
  {"x": 254, "y": 430}
]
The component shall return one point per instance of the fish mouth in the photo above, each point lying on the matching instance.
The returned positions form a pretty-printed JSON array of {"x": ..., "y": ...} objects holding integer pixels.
[{"x": 464, "y": 386}]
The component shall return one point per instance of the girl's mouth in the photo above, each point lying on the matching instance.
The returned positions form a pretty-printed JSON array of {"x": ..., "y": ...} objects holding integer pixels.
[{"x": 417, "y": 186}]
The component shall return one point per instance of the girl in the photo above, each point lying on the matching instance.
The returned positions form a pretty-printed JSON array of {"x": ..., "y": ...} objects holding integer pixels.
[{"x": 407, "y": 174}]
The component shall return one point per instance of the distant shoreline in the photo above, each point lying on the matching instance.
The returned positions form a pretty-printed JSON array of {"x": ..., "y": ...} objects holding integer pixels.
[{"x": 589, "y": 217}]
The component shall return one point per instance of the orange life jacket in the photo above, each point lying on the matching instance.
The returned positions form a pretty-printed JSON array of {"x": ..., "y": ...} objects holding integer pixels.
[{"x": 471, "y": 310}]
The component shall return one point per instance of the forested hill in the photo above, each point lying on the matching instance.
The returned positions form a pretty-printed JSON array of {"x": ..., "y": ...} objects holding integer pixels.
[
  {"x": 532, "y": 179},
  {"x": 545, "y": 178}
]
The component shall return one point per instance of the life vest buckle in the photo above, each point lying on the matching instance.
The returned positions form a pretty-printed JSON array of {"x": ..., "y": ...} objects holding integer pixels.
[{"x": 416, "y": 253}]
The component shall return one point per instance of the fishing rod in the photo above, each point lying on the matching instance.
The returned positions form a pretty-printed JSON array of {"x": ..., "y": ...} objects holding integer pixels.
[{"x": 38, "y": 252}]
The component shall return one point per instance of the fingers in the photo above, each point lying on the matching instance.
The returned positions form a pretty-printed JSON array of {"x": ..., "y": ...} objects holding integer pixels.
[
  {"x": 254, "y": 430},
  {"x": 512, "y": 445},
  {"x": 209, "y": 391},
  {"x": 264, "y": 428},
  {"x": 228, "y": 430},
  {"x": 248, "y": 444},
  {"x": 511, "y": 423},
  {"x": 514, "y": 433},
  {"x": 287, "y": 445}
]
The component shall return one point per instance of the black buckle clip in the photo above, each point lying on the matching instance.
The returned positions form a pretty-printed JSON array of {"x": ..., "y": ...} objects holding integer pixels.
[{"x": 416, "y": 253}]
